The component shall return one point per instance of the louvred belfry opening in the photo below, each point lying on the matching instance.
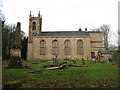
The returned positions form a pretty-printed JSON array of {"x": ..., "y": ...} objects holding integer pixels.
[{"x": 34, "y": 26}]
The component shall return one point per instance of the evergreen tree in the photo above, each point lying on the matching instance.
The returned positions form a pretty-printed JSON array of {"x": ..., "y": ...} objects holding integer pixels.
[{"x": 24, "y": 47}]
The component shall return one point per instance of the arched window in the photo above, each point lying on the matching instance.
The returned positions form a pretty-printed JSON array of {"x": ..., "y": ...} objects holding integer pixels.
[
  {"x": 67, "y": 47},
  {"x": 79, "y": 47},
  {"x": 34, "y": 26},
  {"x": 55, "y": 47},
  {"x": 42, "y": 47}
]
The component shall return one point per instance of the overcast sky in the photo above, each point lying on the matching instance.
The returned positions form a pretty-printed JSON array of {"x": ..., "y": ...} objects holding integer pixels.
[{"x": 63, "y": 15}]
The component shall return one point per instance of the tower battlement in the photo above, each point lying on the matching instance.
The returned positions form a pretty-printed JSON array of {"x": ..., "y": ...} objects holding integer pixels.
[{"x": 35, "y": 25}]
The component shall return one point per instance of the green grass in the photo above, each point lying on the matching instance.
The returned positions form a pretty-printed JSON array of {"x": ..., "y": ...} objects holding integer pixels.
[{"x": 98, "y": 75}]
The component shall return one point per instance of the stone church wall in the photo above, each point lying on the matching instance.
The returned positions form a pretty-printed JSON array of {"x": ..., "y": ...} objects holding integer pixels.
[
  {"x": 96, "y": 42},
  {"x": 34, "y": 52}
]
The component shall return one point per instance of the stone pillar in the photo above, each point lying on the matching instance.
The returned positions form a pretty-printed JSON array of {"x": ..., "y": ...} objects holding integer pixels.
[
  {"x": 0, "y": 40},
  {"x": 16, "y": 50},
  {"x": 0, "y": 54},
  {"x": 118, "y": 52}
]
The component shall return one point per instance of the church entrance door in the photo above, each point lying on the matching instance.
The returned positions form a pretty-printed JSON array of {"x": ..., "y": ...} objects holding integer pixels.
[{"x": 92, "y": 54}]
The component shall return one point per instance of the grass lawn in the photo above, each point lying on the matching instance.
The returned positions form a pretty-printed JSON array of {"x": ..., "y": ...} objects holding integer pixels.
[{"x": 97, "y": 75}]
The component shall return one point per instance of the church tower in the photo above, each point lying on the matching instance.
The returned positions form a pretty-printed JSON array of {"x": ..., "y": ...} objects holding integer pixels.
[{"x": 35, "y": 24}]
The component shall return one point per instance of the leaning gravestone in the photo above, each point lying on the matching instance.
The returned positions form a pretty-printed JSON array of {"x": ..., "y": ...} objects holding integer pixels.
[{"x": 15, "y": 61}]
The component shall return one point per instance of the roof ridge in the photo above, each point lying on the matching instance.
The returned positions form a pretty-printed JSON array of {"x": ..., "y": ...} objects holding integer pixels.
[{"x": 62, "y": 31}]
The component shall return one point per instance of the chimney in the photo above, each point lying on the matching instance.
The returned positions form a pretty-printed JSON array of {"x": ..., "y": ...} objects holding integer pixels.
[
  {"x": 80, "y": 29},
  {"x": 39, "y": 14},
  {"x": 30, "y": 15}
]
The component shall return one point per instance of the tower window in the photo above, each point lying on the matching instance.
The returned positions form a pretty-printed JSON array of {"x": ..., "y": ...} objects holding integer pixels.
[{"x": 34, "y": 26}]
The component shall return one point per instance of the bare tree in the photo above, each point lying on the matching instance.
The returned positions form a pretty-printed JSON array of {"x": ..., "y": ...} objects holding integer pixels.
[
  {"x": 7, "y": 38},
  {"x": 105, "y": 29},
  {"x": 11, "y": 28},
  {"x": 119, "y": 40}
]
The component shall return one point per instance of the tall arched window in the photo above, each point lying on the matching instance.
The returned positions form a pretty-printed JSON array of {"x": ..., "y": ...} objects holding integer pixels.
[
  {"x": 55, "y": 47},
  {"x": 42, "y": 47},
  {"x": 79, "y": 47},
  {"x": 34, "y": 26},
  {"x": 67, "y": 47}
]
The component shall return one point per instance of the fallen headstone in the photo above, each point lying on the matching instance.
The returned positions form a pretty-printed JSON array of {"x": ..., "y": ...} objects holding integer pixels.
[
  {"x": 37, "y": 71},
  {"x": 55, "y": 68},
  {"x": 70, "y": 65}
]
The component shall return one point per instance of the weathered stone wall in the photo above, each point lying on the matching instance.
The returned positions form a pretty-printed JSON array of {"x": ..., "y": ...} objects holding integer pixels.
[
  {"x": 35, "y": 50},
  {"x": 95, "y": 47},
  {"x": 30, "y": 51},
  {"x": 34, "y": 47},
  {"x": 105, "y": 57}
]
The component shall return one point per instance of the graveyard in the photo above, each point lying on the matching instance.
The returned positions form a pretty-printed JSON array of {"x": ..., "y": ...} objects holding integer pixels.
[{"x": 75, "y": 74}]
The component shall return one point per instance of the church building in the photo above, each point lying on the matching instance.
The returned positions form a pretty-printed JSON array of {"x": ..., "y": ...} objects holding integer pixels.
[{"x": 73, "y": 45}]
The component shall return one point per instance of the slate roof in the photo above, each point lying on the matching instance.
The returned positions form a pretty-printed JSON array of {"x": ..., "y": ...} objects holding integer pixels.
[
  {"x": 93, "y": 31},
  {"x": 64, "y": 34}
]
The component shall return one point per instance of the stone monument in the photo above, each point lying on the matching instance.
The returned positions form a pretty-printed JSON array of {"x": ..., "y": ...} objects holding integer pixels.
[
  {"x": 15, "y": 61},
  {"x": 16, "y": 49}
]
